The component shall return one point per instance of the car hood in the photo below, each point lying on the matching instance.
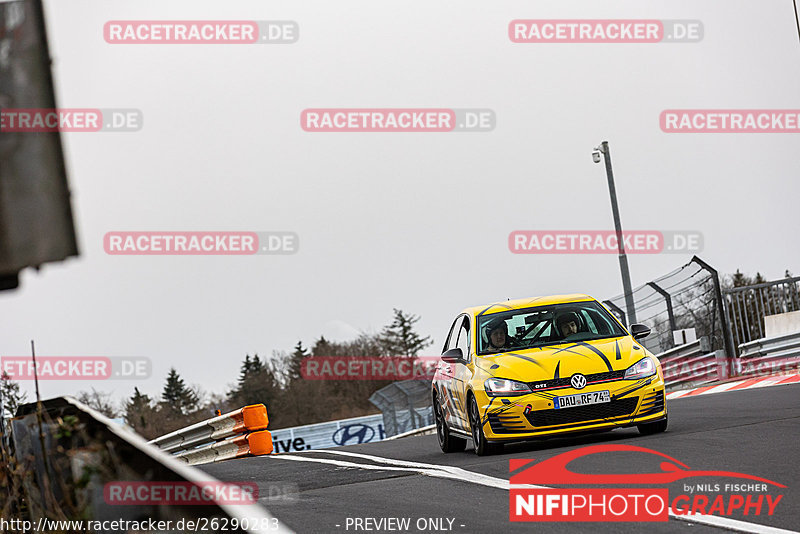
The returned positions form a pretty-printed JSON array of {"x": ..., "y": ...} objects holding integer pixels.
[{"x": 564, "y": 360}]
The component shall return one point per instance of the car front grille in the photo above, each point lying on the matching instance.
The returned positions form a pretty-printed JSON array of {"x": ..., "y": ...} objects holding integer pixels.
[
  {"x": 578, "y": 414},
  {"x": 556, "y": 383}
]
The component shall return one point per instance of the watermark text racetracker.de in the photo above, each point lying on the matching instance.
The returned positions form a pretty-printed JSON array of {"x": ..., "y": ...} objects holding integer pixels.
[
  {"x": 196, "y": 243},
  {"x": 727, "y": 367},
  {"x": 201, "y": 31},
  {"x": 605, "y": 31},
  {"x": 182, "y": 493},
  {"x": 199, "y": 493},
  {"x": 604, "y": 242},
  {"x": 76, "y": 367},
  {"x": 397, "y": 120},
  {"x": 369, "y": 367},
  {"x": 730, "y": 121},
  {"x": 40, "y": 120}
]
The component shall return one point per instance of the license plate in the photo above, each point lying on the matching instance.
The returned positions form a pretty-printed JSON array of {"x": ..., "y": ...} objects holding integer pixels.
[{"x": 582, "y": 399}]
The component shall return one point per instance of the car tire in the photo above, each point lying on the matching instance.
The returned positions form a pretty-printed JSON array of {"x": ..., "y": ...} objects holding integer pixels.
[
  {"x": 447, "y": 441},
  {"x": 480, "y": 445},
  {"x": 647, "y": 429}
]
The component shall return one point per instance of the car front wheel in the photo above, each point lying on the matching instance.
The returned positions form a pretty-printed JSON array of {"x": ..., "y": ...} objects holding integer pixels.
[
  {"x": 447, "y": 442},
  {"x": 481, "y": 446},
  {"x": 646, "y": 429}
]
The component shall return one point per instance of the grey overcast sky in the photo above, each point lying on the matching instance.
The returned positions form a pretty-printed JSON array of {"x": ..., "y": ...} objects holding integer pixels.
[{"x": 417, "y": 221}]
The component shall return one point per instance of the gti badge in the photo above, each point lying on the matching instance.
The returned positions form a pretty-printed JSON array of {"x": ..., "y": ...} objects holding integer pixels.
[{"x": 578, "y": 381}]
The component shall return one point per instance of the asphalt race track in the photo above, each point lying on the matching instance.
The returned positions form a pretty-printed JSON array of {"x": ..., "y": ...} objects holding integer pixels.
[{"x": 755, "y": 431}]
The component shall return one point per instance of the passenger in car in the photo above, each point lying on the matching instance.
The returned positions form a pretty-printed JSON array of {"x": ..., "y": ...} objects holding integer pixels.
[{"x": 568, "y": 324}]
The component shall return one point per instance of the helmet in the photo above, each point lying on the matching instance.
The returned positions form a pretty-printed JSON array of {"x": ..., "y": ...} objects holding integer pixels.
[
  {"x": 493, "y": 325},
  {"x": 565, "y": 318}
]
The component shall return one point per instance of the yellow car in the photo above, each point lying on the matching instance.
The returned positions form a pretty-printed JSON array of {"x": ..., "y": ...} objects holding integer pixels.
[{"x": 543, "y": 367}]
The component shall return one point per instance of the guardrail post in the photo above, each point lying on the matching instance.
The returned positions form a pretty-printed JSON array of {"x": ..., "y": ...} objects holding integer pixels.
[
  {"x": 724, "y": 365},
  {"x": 727, "y": 339},
  {"x": 670, "y": 312}
]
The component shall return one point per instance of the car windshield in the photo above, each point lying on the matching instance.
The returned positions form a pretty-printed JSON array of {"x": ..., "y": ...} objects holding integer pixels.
[{"x": 545, "y": 325}]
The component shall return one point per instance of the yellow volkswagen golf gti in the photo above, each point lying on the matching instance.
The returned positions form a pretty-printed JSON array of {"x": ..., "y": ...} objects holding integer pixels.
[{"x": 543, "y": 367}]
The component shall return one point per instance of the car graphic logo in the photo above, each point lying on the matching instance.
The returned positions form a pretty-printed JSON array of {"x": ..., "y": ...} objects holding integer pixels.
[
  {"x": 554, "y": 470},
  {"x": 578, "y": 381},
  {"x": 357, "y": 433}
]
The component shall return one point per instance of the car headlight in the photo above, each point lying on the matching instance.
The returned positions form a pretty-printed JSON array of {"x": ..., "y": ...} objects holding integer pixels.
[
  {"x": 641, "y": 369},
  {"x": 500, "y": 387}
]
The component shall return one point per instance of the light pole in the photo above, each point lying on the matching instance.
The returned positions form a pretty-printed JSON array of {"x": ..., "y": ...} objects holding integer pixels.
[{"x": 623, "y": 259}]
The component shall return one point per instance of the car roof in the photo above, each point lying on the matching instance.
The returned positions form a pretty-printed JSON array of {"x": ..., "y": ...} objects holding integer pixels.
[{"x": 519, "y": 304}]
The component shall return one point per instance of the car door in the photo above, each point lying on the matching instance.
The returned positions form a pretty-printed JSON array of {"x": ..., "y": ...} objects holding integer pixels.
[
  {"x": 447, "y": 388},
  {"x": 462, "y": 372}
]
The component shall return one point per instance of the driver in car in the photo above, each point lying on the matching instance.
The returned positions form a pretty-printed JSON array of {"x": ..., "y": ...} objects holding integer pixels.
[
  {"x": 568, "y": 324},
  {"x": 499, "y": 339}
]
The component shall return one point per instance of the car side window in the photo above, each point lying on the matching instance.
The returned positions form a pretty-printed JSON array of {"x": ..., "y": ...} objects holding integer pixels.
[
  {"x": 452, "y": 336},
  {"x": 587, "y": 318},
  {"x": 597, "y": 323},
  {"x": 463, "y": 338}
]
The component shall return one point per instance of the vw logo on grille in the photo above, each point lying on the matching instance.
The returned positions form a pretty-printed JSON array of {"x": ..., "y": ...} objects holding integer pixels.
[{"x": 578, "y": 381}]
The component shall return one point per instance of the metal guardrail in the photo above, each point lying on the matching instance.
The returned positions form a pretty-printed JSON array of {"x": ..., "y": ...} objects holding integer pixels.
[
  {"x": 67, "y": 455},
  {"x": 768, "y": 356},
  {"x": 249, "y": 444},
  {"x": 238, "y": 433},
  {"x": 692, "y": 364}
]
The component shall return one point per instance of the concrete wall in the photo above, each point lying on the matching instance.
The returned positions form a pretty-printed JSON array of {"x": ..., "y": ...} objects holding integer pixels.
[{"x": 782, "y": 324}]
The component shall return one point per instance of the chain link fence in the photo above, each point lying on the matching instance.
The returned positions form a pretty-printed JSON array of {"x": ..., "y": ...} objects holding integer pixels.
[
  {"x": 679, "y": 307},
  {"x": 693, "y": 302}
]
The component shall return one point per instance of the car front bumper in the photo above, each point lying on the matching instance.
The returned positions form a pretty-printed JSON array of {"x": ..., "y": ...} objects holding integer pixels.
[{"x": 534, "y": 415}]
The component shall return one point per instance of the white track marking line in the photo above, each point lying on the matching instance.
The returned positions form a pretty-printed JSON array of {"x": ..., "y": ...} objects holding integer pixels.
[
  {"x": 492, "y": 481},
  {"x": 456, "y": 473},
  {"x": 482, "y": 480}
]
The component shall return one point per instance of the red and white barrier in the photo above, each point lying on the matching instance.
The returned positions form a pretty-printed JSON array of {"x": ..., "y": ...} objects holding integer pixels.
[
  {"x": 688, "y": 366},
  {"x": 747, "y": 383}
]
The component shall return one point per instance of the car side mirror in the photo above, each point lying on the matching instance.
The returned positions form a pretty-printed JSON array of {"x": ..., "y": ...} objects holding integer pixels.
[
  {"x": 639, "y": 331},
  {"x": 455, "y": 355}
]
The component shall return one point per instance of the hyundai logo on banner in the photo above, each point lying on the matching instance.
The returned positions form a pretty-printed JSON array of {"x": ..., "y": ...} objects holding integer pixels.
[{"x": 356, "y": 434}]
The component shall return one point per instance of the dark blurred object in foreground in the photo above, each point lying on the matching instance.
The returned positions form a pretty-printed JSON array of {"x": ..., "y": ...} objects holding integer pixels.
[{"x": 36, "y": 224}]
